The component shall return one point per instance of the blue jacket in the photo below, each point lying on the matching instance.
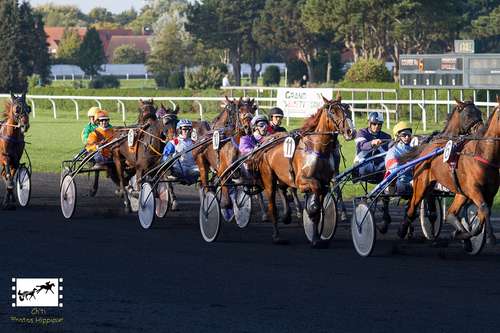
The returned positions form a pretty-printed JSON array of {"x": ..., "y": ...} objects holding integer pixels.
[
  {"x": 364, "y": 148},
  {"x": 391, "y": 161}
]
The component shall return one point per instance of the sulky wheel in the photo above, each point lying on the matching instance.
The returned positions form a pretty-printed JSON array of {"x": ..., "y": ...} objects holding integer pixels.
[
  {"x": 242, "y": 207},
  {"x": 146, "y": 205},
  {"x": 23, "y": 186},
  {"x": 68, "y": 196},
  {"x": 424, "y": 217},
  {"x": 210, "y": 217},
  {"x": 470, "y": 219},
  {"x": 330, "y": 217},
  {"x": 162, "y": 200},
  {"x": 65, "y": 171},
  {"x": 363, "y": 230},
  {"x": 308, "y": 222}
]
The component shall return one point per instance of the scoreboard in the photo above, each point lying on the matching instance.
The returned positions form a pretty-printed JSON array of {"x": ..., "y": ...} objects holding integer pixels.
[{"x": 450, "y": 71}]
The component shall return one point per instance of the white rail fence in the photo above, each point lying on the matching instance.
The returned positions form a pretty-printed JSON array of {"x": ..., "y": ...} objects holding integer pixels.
[{"x": 423, "y": 104}]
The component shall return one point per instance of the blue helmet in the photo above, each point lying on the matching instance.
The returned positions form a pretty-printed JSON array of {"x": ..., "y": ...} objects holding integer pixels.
[
  {"x": 184, "y": 123},
  {"x": 258, "y": 118}
]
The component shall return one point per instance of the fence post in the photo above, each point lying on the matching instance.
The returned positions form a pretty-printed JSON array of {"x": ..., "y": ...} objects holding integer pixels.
[
  {"x": 448, "y": 97},
  {"x": 54, "y": 105},
  {"x": 76, "y": 104},
  {"x": 397, "y": 105},
  {"x": 488, "y": 100},
  {"x": 411, "y": 106},
  {"x": 435, "y": 106},
  {"x": 32, "y": 106}
]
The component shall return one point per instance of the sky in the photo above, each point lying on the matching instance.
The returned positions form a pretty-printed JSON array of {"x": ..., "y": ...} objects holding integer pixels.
[{"x": 114, "y": 6}]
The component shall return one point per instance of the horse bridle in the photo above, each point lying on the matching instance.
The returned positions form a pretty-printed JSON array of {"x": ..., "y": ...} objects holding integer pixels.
[
  {"x": 169, "y": 120},
  {"x": 149, "y": 114},
  {"x": 335, "y": 122},
  {"x": 469, "y": 128},
  {"x": 24, "y": 110}
]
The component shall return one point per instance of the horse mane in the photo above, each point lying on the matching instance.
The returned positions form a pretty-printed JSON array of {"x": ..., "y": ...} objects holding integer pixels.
[
  {"x": 411, "y": 154},
  {"x": 483, "y": 130},
  {"x": 311, "y": 122},
  {"x": 8, "y": 107}
]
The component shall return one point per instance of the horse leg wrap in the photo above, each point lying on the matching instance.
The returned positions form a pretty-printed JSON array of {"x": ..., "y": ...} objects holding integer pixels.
[
  {"x": 455, "y": 223},
  {"x": 312, "y": 206},
  {"x": 8, "y": 182}
]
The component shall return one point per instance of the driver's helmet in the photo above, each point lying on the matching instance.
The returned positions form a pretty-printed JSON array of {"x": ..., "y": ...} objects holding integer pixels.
[
  {"x": 184, "y": 123},
  {"x": 376, "y": 118},
  {"x": 401, "y": 126},
  {"x": 276, "y": 112},
  {"x": 259, "y": 118},
  {"x": 92, "y": 111},
  {"x": 101, "y": 114}
]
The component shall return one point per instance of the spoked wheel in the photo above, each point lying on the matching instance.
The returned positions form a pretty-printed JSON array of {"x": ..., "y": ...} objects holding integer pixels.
[
  {"x": 470, "y": 219},
  {"x": 68, "y": 197},
  {"x": 363, "y": 230},
  {"x": 242, "y": 207},
  {"x": 228, "y": 213},
  {"x": 146, "y": 209},
  {"x": 424, "y": 217},
  {"x": 162, "y": 200},
  {"x": 308, "y": 222},
  {"x": 330, "y": 217},
  {"x": 23, "y": 186},
  {"x": 210, "y": 217},
  {"x": 65, "y": 171}
]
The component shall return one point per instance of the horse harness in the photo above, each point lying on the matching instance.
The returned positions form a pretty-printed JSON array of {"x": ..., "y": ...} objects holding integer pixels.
[{"x": 23, "y": 111}]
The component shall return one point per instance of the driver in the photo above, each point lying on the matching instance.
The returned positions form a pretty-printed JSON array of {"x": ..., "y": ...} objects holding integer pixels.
[
  {"x": 248, "y": 142},
  {"x": 371, "y": 141},
  {"x": 402, "y": 136},
  {"x": 275, "y": 117},
  {"x": 185, "y": 166},
  {"x": 102, "y": 134}
]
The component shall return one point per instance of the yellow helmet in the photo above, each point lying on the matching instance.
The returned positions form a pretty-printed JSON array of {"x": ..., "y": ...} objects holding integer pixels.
[
  {"x": 92, "y": 111},
  {"x": 400, "y": 127},
  {"x": 101, "y": 114}
]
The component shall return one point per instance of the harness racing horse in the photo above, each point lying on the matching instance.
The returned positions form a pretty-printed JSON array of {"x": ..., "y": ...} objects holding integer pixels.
[
  {"x": 144, "y": 149},
  {"x": 471, "y": 174},
  {"x": 465, "y": 118},
  {"x": 311, "y": 167},
  {"x": 12, "y": 129},
  {"x": 235, "y": 120}
]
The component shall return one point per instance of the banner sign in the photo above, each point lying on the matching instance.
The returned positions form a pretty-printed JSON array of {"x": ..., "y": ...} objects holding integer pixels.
[{"x": 302, "y": 102}]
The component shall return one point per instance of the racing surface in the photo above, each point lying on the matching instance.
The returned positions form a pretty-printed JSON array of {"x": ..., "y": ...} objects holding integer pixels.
[{"x": 120, "y": 277}]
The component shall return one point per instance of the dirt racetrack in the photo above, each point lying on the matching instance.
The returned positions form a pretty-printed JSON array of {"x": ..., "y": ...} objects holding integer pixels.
[{"x": 119, "y": 277}]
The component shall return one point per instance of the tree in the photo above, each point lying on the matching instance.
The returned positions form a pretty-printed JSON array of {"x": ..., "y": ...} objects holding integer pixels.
[
  {"x": 99, "y": 14},
  {"x": 61, "y": 16},
  {"x": 170, "y": 47},
  {"x": 483, "y": 17},
  {"x": 280, "y": 25},
  {"x": 126, "y": 17},
  {"x": 92, "y": 55},
  {"x": 169, "y": 6},
  {"x": 12, "y": 71},
  {"x": 145, "y": 20},
  {"x": 129, "y": 54},
  {"x": 40, "y": 51},
  {"x": 69, "y": 47},
  {"x": 224, "y": 24}
]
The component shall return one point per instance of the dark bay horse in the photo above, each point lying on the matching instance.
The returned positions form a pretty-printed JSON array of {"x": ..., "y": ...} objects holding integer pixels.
[
  {"x": 146, "y": 150},
  {"x": 477, "y": 178},
  {"x": 311, "y": 163},
  {"x": 235, "y": 121},
  {"x": 12, "y": 129}
]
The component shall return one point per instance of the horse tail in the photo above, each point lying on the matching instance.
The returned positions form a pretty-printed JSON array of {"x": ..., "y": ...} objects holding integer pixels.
[{"x": 411, "y": 154}]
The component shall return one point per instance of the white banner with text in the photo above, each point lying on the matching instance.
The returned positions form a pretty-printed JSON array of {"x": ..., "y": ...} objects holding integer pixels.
[{"x": 302, "y": 102}]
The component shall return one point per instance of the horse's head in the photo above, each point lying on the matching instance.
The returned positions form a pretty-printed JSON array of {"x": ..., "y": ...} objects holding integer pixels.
[
  {"x": 246, "y": 111},
  {"x": 339, "y": 119},
  {"x": 20, "y": 111},
  {"x": 169, "y": 121},
  {"x": 147, "y": 112},
  {"x": 468, "y": 116}
]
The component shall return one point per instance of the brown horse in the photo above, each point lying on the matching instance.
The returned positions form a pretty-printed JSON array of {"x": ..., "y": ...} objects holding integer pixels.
[
  {"x": 311, "y": 164},
  {"x": 146, "y": 152},
  {"x": 235, "y": 121},
  {"x": 12, "y": 129},
  {"x": 477, "y": 178}
]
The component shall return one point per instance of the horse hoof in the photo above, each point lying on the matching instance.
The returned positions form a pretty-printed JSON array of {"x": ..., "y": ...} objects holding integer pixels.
[
  {"x": 403, "y": 230},
  {"x": 287, "y": 219},
  {"x": 93, "y": 192},
  {"x": 467, "y": 244},
  {"x": 299, "y": 214},
  {"x": 265, "y": 217},
  {"x": 344, "y": 216},
  {"x": 383, "y": 227},
  {"x": 9, "y": 207},
  {"x": 175, "y": 206},
  {"x": 279, "y": 241},
  {"x": 319, "y": 244}
]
